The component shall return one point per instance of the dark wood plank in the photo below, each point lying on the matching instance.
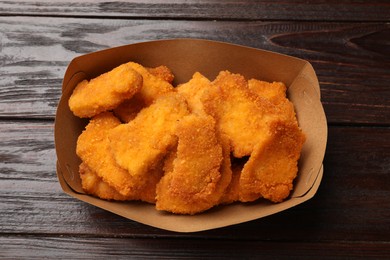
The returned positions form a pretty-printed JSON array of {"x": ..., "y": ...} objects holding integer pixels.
[
  {"x": 352, "y": 203},
  {"x": 41, "y": 247},
  {"x": 342, "y": 10},
  {"x": 352, "y": 60}
]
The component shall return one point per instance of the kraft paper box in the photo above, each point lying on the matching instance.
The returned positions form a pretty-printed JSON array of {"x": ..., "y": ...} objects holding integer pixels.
[{"x": 184, "y": 57}]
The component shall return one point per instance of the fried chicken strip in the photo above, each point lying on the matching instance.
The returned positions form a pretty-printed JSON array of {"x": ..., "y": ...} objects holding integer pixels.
[
  {"x": 240, "y": 114},
  {"x": 232, "y": 191},
  {"x": 138, "y": 145},
  {"x": 94, "y": 150},
  {"x": 105, "y": 92},
  {"x": 162, "y": 72},
  {"x": 274, "y": 92},
  {"x": 195, "y": 183},
  {"x": 272, "y": 167},
  {"x": 193, "y": 90},
  {"x": 129, "y": 109},
  {"x": 157, "y": 81},
  {"x": 94, "y": 185}
]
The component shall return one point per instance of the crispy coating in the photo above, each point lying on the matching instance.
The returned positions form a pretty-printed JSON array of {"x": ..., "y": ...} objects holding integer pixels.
[
  {"x": 105, "y": 92},
  {"x": 240, "y": 114},
  {"x": 94, "y": 150},
  {"x": 147, "y": 192},
  {"x": 274, "y": 92},
  {"x": 232, "y": 191},
  {"x": 272, "y": 167},
  {"x": 140, "y": 144},
  {"x": 186, "y": 149},
  {"x": 169, "y": 159},
  {"x": 94, "y": 185},
  {"x": 129, "y": 109},
  {"x": 195, "y": 183},
  {"x": 152, "y": 89},
  {"x": 93, "y": 147},
  {"x": 162, "y": 72},
  {"x": 193, "y": 90},
  {"x": 226, "y": 168}
]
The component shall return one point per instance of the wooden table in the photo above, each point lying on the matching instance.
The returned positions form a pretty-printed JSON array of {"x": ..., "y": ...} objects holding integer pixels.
[{"x": 348, "y": 44}]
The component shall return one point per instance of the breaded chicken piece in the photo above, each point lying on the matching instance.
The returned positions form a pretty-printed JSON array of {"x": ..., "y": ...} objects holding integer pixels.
[
  {"x": 240, "y": 114},
  {"x": 129, "y": 109},
  {"x": 162, "y": 72},
  {"x": 274, "y": 92},
  {"x": 156, "y": 82},
  {"x": 232, "y": 191},
  {"x": 272, "y": 167},
  {"x": 147, "y": 191},
  {"x": 105, "y": 92},
  {"x": 93, "y": 147},
  {"x": 226, "y": 168},
  {"x": 169, "y": 159},
  {"x": 152, "y": 87},
  {"x": 138, "y": 145},
  {"x": 94, "y": 185},
  {"x": 195, "y": 183},
  {"x": 193, "y": 90}
]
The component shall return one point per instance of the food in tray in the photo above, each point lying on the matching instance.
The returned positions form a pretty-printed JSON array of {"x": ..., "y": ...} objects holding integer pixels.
[
  {"x": 198, "y": 177},
  {"x": 105, "y": 92},
  {"x": 186, "y": 148}
]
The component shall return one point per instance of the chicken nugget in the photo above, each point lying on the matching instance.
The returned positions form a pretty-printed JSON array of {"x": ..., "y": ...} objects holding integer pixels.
[
  {"x": 94, "y": 185},
  {"x": 140, "y": 144},
  {"x": 193, "y": 91},
  {"x": 226, "y": 169},
  {"x": 147, "y": 191},
  {"x": 105, "y": 92},
  {"x": 152, "y": 87},
  {"x": 272, "y": 167},
  {"x": 240, "y": 114},
  {"x": 93, "y": 147},
  {"x": 232, "y": 191},
  {"x": 169, "y": 159},
  {"x": 162, "y": 72},
  {"x": 274, "y": 92},
  {"x": 129, "y": 109},
  {"x": 195, "y": 183}
]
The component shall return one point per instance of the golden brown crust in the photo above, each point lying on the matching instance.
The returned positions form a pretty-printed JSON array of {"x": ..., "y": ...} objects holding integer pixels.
[
  {"x": 129, "y": 109},
  {"x": 162, "y": 72},
  {"x": 152, "y": 86},
  {"x": 94, "y": 185},
  {"x": 105, "y": 92},
  {"x": 93, "y": 147},
  {"x": 240, "y": 114},
  {"x": 193, "y": 185},
  {"x": 232, "y": 191},
  {"x": 272, "y": 167},
  {"x": 157, "y": 81},
  {"x": 193, "y": 90},
  {"x": 138, "y": 145},
  {"x": 187, "y": 149}
]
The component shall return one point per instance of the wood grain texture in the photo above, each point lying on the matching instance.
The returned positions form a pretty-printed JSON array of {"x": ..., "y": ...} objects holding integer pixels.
[
  {"x": 136, "y": 248},
  {"x": 32, "y": 202},
  {"x": 353, "y": 72},
  {"x": 346, "y": 41},
  {"x": 293, "y": 10}
]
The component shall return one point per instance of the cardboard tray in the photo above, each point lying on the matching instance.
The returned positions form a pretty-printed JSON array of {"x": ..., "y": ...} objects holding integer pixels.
[{"x": 184, "y": 57}]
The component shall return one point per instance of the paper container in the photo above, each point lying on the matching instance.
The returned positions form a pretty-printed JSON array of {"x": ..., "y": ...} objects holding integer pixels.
[{"x": 184, "y": 57}]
